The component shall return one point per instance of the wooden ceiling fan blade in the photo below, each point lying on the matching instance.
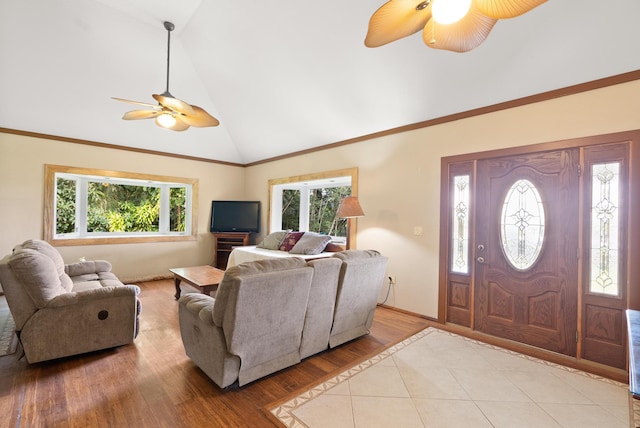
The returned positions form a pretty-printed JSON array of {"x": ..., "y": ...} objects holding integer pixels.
[
  {"x": 397, "y": 19},
  {"x": 503, "y": 9},
  {"x": 169, "y": 101},
  {"x": 136, "y": 102},
  {"x": 200, "y": 119},
  {"x": 180, "y": 125},
  {"x": 171, "y": 113},
  {"x": 462, "y": 36},
  {"x": 141, "y": 114}
]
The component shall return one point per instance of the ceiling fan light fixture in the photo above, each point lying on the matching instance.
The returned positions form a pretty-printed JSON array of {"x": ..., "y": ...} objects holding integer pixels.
[
  {"x": 166, "y": 120},
  {"x": 171, "y": 113},
  {"x": 450, "y": 11}
]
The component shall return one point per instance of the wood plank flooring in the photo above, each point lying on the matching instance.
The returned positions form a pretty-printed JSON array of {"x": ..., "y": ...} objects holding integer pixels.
[{"x": 152, "y": 383}]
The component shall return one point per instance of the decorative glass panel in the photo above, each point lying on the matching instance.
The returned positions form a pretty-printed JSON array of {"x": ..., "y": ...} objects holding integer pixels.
[
  {"x": 522, "y": 226},
  {"x": 605, "y": 220},
  {"x": 460, "y": 222}
]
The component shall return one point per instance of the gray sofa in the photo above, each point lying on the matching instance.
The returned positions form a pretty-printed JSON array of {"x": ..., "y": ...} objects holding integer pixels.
[
  {"x": 270, "y": 314},
  {"x": 61, "y": 310}
]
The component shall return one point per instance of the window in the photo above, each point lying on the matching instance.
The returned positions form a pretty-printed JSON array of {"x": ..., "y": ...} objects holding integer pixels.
[
  {"x": 310, "y": 202},
  {"x": 95, "y": 206},
  {"x": 460, "y": 225},
  {"x": 605, "y": 228}
]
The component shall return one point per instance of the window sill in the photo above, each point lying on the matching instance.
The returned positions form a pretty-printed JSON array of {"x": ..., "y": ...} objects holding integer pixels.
[{"x": 120, "y": 240}]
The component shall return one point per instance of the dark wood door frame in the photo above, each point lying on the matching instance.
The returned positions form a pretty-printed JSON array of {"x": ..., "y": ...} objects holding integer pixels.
[{"x": 633, "y": 212}]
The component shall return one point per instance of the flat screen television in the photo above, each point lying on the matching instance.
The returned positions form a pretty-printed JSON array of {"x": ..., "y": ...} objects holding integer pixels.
[{"x": 235, "y": 216}]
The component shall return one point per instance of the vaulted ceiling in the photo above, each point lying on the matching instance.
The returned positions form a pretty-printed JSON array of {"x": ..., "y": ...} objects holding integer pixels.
[{"x": 280, "y": 76}]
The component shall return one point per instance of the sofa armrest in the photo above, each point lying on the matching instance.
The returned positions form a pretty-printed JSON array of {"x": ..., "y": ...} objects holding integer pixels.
[
  {"x": 200, "y": 305},
  {"x": 87, "y": 267},
  {"x": 85, "y": 296}
]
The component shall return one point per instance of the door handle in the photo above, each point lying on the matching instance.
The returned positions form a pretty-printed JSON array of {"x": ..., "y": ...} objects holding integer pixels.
[{"x": 480, "y": 259}]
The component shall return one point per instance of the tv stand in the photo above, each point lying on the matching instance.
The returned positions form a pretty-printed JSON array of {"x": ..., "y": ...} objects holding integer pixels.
[{"x": 223, "y": 243}]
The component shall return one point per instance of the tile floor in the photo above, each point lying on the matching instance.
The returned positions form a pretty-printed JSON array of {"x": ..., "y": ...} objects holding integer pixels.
[{"x": 438, "y": 379}]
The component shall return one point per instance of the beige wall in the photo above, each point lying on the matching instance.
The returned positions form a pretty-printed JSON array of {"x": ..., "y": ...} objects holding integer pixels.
[
  {"x": 22, "y": 161},
  {"x": 399, "y": 184},
  {"x": 399, "y": 175}
]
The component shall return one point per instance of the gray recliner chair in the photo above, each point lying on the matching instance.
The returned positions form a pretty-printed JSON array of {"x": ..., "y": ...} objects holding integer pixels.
[
  {"x": 253, "y": 326},
  {"x": 61, "y": 310}
]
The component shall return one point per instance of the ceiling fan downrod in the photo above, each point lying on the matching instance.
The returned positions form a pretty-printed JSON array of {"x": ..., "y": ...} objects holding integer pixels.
[{"x": 169, "y": 27}]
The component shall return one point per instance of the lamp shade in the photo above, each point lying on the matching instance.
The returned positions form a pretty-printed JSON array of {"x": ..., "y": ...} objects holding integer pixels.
[{"x": 350, "y": 207}]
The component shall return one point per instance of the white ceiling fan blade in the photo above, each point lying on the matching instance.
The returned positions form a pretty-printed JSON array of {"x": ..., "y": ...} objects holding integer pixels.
[
  {"x": 141, "y": 114},
  {"x": 137, "y": 102}
]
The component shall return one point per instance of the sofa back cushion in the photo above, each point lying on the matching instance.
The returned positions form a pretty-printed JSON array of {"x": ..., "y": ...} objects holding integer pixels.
[
  {"x": 361, "y": 277},
  {"x": 38, "y": 276},
  {"x": 231, "y": 278},
  {"x": 43, "y": 247},
  {"x": 322, "y": 299}
]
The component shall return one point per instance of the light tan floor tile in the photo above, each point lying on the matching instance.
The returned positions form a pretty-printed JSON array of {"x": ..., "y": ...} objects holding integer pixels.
[
  {"x": 582, "y": 416},
  {"x": 489, "y": 385},
  {"x": 544, "y": 387},
  {"x": 340, "y": 389},
  {"x": 385, "y": 412},
  {"x": 450, "y": 413},
  {"x": 426, "y": 382},
  {"x": 600, "y": 391},
  {"x": 455, "y": 357},
  {"x": 327, "y": 411},
  {"x": 503, "y": 360},
  {"x": 620, "y": 412},
  {"x": 438, "y": 340},
  {"x": 378, "y": 381},
  {"x": 520, "y": 415}
]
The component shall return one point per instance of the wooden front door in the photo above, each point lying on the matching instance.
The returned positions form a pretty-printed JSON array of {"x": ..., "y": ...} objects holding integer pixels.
[{"x": 526, "y": 249}]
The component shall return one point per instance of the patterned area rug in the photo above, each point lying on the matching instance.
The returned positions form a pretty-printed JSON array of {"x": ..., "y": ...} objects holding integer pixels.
[{"x": 8, "y": 340}]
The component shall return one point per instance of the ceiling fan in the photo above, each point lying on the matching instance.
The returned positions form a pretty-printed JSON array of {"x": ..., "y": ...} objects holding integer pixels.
[
  {"x": 454, "y": 25},
  {"x": 170, "y": 112}
]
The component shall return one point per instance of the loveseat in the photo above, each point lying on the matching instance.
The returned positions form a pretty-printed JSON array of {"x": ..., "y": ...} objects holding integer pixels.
[
  {"x": 66, "y": 309},
  {"x": 270, "y": 314}
]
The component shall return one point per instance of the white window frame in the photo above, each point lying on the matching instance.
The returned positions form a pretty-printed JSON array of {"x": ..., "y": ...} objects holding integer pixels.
[
  {"x": 83, "y": 176},
  {"x": 306, "y": 183}
]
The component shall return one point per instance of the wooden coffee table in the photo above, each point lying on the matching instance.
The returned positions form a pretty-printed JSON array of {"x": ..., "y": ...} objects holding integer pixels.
[{"x": 205, "y": 278}]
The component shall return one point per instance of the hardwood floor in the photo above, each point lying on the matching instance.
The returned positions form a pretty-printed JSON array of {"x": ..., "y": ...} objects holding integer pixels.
[{"x": 152, "y": 383}]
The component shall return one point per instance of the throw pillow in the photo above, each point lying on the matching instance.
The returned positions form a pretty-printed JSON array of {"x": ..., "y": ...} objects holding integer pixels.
[
  {"x": 310, "y": 243},
  {"x": 290, "y": 240},
  {"x": 333, "y": 248},
  {"x": 272, "y": 241}
]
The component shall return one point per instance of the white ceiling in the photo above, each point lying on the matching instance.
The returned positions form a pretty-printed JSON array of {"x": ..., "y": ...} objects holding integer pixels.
[{"x": 281, "y": 76}]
